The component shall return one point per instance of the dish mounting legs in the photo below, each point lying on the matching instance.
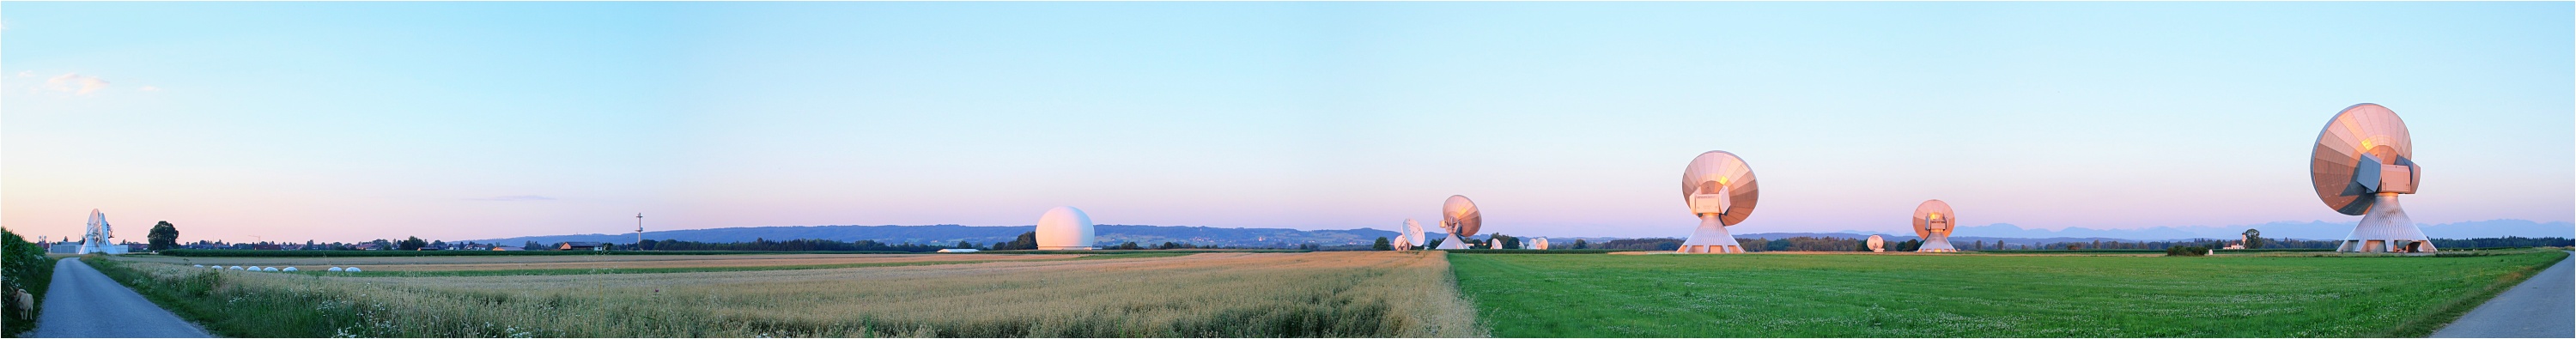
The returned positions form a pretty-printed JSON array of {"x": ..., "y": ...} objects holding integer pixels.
[{"x": 1711, "y": 237}]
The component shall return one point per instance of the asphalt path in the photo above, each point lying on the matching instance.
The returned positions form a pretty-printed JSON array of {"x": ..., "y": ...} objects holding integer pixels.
[
  {"x": 2542, "y": 307},
  {"x": 86, "y": 304}
]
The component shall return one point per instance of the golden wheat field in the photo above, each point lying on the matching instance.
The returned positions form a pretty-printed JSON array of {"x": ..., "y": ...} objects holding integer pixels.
[{"x": 1326, "y": 294}]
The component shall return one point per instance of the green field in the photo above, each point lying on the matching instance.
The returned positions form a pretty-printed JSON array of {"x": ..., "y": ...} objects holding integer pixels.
[{"x": 1973, "y": 295}]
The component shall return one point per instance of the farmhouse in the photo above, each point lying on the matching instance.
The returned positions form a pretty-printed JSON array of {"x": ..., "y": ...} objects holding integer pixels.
[{"x": 579, "y": 246}]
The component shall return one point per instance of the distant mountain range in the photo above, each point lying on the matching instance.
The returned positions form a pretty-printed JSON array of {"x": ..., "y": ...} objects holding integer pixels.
[
  {"x": 986, "y": 235},
  {"x": 1282, "y": 237}
]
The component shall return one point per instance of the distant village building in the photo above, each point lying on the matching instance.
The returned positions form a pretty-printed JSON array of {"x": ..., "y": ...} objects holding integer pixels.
[
  {"x": 368, "y": 247},
  {"x": 508, "y": 248},
  {"x": 267, "y": 247},
  {"x": 579, "y": 246}
]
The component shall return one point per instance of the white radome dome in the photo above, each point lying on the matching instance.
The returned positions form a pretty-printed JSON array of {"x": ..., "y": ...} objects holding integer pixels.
[{"x": 1064, "y": 228}]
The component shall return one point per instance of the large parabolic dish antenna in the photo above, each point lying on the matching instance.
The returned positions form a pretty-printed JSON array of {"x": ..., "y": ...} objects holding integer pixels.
[
  {"x": 2363, "y": 159},
  {"x": 1877, "y": 244},
  {"x": 1459, "y": 217},
  {"x": 1412, "y": 234},
  {"x": 1719, "y": 188},
  {"x": 100, "y": 237},
  {"x": 1933, "y": 222},
  {"x": 1064, "y": 228}
]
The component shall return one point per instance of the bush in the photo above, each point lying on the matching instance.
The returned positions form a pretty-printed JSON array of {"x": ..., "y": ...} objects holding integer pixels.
[
  {"x": 27, "y": 269},
  {"x": 2186, "y": 251}
]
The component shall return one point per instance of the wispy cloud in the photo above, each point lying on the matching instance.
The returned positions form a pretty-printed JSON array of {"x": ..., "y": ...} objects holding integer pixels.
[
  {"x": 515, "y": 198},
  {"x": 75, "y": 84},
  {"x": 148, "y": 88}
]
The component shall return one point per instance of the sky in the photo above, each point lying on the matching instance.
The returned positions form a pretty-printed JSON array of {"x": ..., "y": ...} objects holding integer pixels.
[{"x": 359, "y": 121}]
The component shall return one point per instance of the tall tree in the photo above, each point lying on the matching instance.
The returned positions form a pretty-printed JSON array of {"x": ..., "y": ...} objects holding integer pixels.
[
  {"x": 2253, "y": 239},
  {"x": 411, "y": 244},
  {"x": 164, "y": 236},
  {"x": 1382, "y": 245}
]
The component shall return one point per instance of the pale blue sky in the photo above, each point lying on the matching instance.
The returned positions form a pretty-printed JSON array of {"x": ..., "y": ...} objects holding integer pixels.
[{"x": 356, "y": 121}]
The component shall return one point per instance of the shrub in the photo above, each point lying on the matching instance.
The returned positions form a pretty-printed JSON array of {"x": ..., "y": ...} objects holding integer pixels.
[
  {"x": 2186, "y": 251},
  {"x": 27, "y": 269}
]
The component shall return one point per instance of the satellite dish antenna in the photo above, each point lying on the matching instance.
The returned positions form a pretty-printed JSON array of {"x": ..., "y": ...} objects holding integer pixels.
[
  {"x": 1718, "y": 187},
  {"x": 99, "y": 238},
  {"x": 1536, "y": 244},
  {"x": 1933, "y": 222},
  {"x": 1877, "y": 244},
  {"x": 1412, "y": 235},
  {"x": 2362, "y": 161},
  {"x": 1459, "y": 217},
  {"x": 1064, "y": 228}
]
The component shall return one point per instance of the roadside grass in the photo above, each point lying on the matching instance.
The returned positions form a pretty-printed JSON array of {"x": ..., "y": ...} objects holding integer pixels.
[
  {"x": 1970, "y": 295},
  {"x": 573, "y": 271},
  {"x": 1339, "y": 294}
]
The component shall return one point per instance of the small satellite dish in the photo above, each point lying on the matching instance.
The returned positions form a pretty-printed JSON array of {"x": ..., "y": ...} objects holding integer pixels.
[
  {"x": 2363, "y": 159},
  {"x": 1459, "y": 217},
  {"x": 1719, "y": 188},
  {"x": 1065, "y": 228},
  {"x": 1877, "y": 244},
  {"x": 1933, "y": 222},
  {"x": 1412, "y": 235}
]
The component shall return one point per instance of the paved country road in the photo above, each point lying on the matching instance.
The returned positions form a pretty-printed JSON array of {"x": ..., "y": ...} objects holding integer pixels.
[
  {"x": 2541, "y": 307},
  {"x": 86, "y": 304}
]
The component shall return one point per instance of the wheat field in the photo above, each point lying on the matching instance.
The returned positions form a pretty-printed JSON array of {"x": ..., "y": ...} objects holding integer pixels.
[{"x": 1327, "y": 294}]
